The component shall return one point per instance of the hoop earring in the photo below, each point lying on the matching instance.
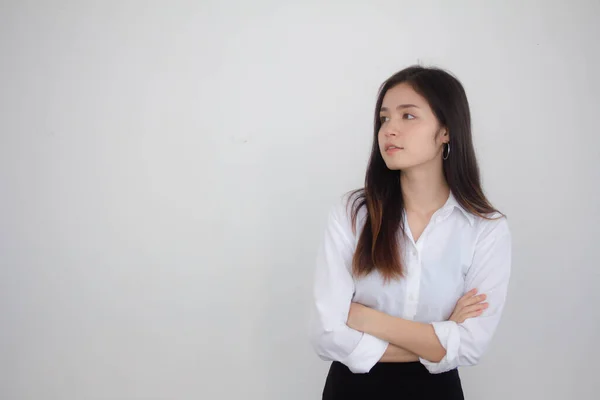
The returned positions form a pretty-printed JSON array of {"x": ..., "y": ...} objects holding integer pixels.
[{"x": 445, "y": 157}]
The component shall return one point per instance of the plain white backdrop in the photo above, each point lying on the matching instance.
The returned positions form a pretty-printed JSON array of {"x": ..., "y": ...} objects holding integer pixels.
[{"x": 166, "y": 169}]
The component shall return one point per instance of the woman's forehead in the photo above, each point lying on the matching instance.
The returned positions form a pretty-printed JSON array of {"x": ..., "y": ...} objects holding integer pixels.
[{"x": 402, "y": 94}]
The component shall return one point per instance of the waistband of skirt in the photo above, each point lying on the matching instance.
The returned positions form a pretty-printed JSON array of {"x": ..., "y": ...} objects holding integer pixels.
[{"x": 412, "y": 368}]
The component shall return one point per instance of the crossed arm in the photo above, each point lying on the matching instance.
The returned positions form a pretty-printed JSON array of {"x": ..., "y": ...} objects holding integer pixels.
[
  {"x": 394, "y": 353},
  {"x": 409, "y": 340}
]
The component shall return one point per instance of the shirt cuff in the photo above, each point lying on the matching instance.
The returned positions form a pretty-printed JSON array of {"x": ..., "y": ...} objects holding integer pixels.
[
  {"x": 449, "y": 336},
  {"x": 369, "y": 351}
]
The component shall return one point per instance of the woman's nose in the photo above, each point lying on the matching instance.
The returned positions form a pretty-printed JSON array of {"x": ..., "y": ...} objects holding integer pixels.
[{"x": 393, "y": 127}]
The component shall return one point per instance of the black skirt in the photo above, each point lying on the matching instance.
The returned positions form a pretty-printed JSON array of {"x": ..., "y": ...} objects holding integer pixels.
[{"x": 398, "y": 381}]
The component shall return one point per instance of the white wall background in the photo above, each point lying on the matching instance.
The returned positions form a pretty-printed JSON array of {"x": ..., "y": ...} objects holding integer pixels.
[{"x": 166, "y": 169}]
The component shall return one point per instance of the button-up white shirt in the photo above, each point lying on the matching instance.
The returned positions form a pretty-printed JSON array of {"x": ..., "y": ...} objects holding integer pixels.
[{"x": 456, "y": 252}]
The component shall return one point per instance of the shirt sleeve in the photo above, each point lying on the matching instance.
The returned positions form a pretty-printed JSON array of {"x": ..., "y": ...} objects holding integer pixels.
[
  {"x": 333, "y": 291},
  {"x": 489, "y": 273}
]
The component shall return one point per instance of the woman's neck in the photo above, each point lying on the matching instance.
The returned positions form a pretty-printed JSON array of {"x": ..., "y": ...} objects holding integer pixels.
[{"x": 424, "y": 190}]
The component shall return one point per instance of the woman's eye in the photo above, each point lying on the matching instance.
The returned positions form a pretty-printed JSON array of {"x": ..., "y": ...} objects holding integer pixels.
[{"x": 383, "y": 119}]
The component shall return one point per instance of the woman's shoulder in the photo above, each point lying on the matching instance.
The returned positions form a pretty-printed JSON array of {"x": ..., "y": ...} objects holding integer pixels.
[
  {"x": 350, "y": 202},
  {"x": 346, "y": 205},
  {"x": 494, "y": 223}
]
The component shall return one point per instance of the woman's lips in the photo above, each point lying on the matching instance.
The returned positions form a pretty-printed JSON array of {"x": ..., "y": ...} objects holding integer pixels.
[{"x": 392, "y": 150}]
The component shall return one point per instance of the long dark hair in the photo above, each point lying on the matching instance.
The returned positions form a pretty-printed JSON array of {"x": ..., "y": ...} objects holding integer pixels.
[{"x": 378, "y": 247}]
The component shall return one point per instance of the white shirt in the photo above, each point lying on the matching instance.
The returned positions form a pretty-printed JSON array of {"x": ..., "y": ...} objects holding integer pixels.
[{"x": 456, "y": 252}]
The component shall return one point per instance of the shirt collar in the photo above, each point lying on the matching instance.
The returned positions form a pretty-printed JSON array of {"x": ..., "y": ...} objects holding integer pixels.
[{"x": 452, "y": 203}]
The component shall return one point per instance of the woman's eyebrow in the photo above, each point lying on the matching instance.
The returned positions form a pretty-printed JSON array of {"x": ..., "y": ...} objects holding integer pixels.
[{"x": 400, "y": 106}]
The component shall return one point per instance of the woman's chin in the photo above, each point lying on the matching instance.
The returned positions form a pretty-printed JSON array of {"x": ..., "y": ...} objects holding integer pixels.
[{"x": 395, "y": 166}]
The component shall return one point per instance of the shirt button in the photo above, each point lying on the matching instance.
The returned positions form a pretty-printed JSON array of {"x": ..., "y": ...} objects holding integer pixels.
[{"x": 414, "y": 252}]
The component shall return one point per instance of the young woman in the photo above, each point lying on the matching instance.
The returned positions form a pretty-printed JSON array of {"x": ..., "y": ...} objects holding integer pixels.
[{"x": 412, "y": 275}]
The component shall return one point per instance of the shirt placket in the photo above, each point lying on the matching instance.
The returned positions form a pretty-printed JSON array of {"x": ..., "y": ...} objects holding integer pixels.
[
  {"x": 413, "y": 283},
  {"x": 414, "y": 265}
]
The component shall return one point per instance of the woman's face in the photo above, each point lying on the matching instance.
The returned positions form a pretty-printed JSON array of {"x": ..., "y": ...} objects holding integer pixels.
[{"x": 410, "y": 134}]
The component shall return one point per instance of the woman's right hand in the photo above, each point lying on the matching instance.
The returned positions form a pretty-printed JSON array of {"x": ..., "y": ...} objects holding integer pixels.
[{"x": 468, "y": 306}]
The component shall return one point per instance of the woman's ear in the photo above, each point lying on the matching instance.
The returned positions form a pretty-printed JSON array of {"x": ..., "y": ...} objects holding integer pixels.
[{"x": 445, "y": 135}]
